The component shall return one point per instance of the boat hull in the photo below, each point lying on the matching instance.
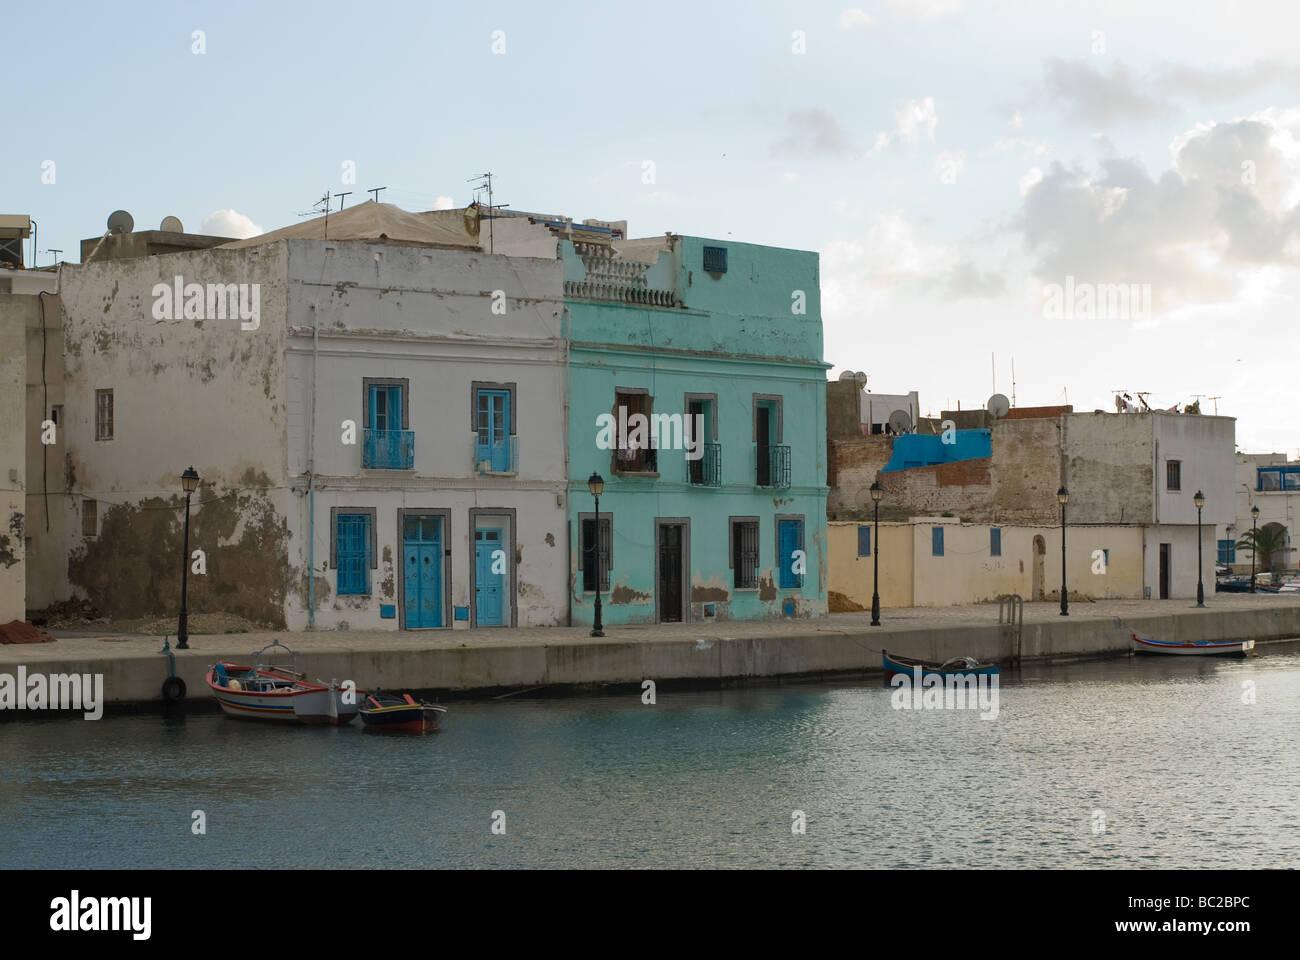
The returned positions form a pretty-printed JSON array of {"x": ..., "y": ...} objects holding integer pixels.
[
  {"x": 402, "y": 716},
  {"x": 1205, "y": 648},
  {"x": 894, "y": 664},
  {"x": 294, "y": 702}
]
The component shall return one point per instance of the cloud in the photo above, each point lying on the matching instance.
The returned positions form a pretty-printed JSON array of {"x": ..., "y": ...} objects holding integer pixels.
[
  {"x": 854, "y": 17},
  {"x": 926, "y": 9},
  {"x": 967, "y": 282},
  {"x": 1031, "y": 178},
  {"x": 911, "y": 120},
  {"x": 1094, "y": 98},
  {"x": 229, "y": 223},
  {"x": 1212, "y": 84},
  {"x": 812, "y": 131},
  {"x": 1198, "y": 232},
  {"x": 444, "y": 203}
]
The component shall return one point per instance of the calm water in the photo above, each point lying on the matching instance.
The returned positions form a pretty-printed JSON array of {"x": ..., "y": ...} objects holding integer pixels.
[{"x": 1184, "y": 772}]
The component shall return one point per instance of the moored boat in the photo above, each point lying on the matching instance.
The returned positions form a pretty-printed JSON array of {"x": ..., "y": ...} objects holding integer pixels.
[
  {"x": 1197, "y": 648},
  {"x": 387, "y": 712},
  {"x": 266, "y": 692},
  {"x": 894, "y": 664}
]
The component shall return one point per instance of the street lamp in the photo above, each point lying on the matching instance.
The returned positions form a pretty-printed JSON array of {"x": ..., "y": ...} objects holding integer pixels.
[
  {"x": 1254, "y": 518},
  {"x": 1063, "y": 497},
  {"x": 877, "y": 492},
  {"x": 1199, "y": 500},
  {"x": 596, "y": 484},
  {"x": 190, "y": 481}
]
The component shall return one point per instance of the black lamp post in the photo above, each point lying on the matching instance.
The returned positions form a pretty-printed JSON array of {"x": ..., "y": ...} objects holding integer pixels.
[
  {"x": 190, "y": 481},
  {"x": 596, "y": 484},
  {"x": 1199, "y": 500},
  {"x": 877, "y": 491},
  {"x": 1063, "y": 497},
  {"x": 1254, "y": 518}
]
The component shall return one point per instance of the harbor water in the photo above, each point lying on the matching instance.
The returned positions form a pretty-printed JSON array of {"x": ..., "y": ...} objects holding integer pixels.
[{"x": 1135, "y": 762}]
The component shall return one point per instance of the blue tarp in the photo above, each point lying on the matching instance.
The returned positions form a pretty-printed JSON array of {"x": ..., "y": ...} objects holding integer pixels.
[{"x": 923, "y": 450}]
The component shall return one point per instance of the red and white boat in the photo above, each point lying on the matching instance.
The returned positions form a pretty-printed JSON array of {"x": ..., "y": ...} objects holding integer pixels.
[
  {"x": 265, "y": 692},
  {"x": 1198, "y": 648}
]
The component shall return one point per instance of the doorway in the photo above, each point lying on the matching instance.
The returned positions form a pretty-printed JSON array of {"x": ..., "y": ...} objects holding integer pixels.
[
  {"x": 1040, "y": 563},
  {"x": 1164, "y": 570},
  {"x": 672, "y": 551},
  {"x": 422, "y": 570}
]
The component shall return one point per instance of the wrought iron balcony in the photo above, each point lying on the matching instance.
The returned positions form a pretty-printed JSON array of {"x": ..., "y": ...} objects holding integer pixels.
[
  {"x": 636, "y": 460},
  {"x": 500, "y": 458},
  {"x": 707, "y": 470},
  {"x": 388, "y": 450},
  {"x": 772, "y": 467}
]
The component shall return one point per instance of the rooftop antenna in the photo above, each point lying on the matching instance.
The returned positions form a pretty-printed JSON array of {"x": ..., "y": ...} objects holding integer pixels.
[
  {"x": 375, "y": 191},
  {"x": 1013, "y": 381},
  {"x": 345, "y": 193},
  {"x": 993, "y": 362},
  {"x": 1216, "y": 403},
  {"x": 325, "y": 202},
  {"x": 486, "y": 183},
  {"x": 56, "y": 253}
]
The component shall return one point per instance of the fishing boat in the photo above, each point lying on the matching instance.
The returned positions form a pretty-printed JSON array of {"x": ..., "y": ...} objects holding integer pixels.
[
  {"x": 894, "y": 664},
  {"x": 1197, "y": 648},
  {"x": 385, "y": 712},
  {"x": 266, "y": 692}
]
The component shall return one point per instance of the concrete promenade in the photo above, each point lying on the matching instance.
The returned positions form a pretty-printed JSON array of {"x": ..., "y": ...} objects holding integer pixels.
[{"x": 497, "y": 660}]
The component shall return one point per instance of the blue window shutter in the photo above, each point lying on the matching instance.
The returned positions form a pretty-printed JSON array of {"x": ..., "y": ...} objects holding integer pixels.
[
  {"x": 789, "y": 539},
  {"x": 352, "y": 551},
  {"x": 936, "y": 541},
  {"x": 995, "y": 541},
  {"x": 864, "y": 540}
]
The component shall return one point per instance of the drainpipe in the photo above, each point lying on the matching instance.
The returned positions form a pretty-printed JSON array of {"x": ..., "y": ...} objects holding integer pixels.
[
  {"x": 568, "y": 530},
  {"x": 311, "y": 483}
]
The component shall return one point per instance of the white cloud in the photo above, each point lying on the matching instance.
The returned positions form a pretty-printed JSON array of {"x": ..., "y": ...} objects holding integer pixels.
[
  {"x": 914, "y": 118},
  {"x": 229, "y": 223},
  {"x": 1032, "y": 178},
  {"x": 854, "y": 17},
  {"x": 444, "y": 203},
  {"x": 926, "y": 9},
  {"x": 789, "y": 176}
]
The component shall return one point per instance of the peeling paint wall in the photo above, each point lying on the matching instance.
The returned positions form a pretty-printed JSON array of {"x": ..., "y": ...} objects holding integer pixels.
[
  {"x": 199, "y": 391},
  {"x": 13, "y": 385}
]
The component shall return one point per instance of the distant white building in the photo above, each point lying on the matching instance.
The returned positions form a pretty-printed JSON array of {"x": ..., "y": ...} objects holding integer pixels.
[
  {"x": 1272, "y": 483},
  {"x": 878, "y": 407}
]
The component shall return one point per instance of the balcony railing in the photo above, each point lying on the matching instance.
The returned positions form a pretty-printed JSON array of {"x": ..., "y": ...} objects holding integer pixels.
[
  {"x": 772, "y": 468},
  {"x": 636, "y": 460},
  {"x": 490, "y": 458},
  {"x": 388, "y": 450},
  {"x": 707, "y": 470}
]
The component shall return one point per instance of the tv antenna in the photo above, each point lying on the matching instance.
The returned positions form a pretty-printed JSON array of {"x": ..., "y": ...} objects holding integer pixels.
[
  {"x": 56, "y": 253},
  {"x": 1215, "y": 401},
  {"x": 345, "y": 193},
  {"x": 324, "y": 202},
  {"x": 1013, "y": 381},
  {"x": 483, "y": 181},
  {"x": 375, "y": 191}
]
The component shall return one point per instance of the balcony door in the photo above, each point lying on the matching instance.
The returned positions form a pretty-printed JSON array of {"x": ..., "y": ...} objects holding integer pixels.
[{"x": 492, "y": 424}]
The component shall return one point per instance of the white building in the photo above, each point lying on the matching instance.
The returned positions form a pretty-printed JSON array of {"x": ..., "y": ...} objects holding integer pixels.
[{"x": 1272, "y": 483}]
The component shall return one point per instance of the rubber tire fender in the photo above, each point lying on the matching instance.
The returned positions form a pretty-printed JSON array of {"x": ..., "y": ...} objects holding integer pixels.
[{"x": 173, "y": 690}]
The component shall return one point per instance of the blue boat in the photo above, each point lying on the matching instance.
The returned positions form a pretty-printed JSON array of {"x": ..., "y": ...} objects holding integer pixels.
[{"x": 894, "y": 664}]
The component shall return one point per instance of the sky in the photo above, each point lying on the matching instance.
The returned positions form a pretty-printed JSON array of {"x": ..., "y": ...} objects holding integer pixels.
[{"x": 1106, "y": 194}]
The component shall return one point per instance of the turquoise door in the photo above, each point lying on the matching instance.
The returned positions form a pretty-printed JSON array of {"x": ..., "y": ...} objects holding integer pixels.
[
  {"x": 422, "y": 571},
  {"x": 789, "y": 538},
  {"x": 489, "y": 577},
  {"x": 493, "y": 427}
]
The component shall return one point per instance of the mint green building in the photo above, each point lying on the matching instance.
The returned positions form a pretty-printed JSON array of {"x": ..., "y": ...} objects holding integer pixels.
[{"x": 724, "y": 522}]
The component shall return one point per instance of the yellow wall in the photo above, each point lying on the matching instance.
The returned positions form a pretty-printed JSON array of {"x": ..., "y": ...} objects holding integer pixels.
[{"x": 851, "y": 575}]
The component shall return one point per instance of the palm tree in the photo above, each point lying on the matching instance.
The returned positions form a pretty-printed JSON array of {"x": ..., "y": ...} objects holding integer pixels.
[{"x": 1267, "y": 543}]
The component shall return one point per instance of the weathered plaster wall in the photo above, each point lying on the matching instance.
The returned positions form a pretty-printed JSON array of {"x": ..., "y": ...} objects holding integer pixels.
[
  {"x": 47, "y": 562},
  {"x": 200, "y": 392},
  {"x": 851, "y": 576},
  {"x": 13, "y": 472},
  {"x": 426, "y": 317},
  {"x": 1182, "y": 554},
  {"x": 1108, "y": 467}
]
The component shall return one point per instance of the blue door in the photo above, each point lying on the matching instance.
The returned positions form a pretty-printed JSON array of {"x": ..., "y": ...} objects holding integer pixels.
[
  {"x": 422, "y": 571},
  {"x": 488, "y": 585},
  {"x": 789, "y": 538},
  {"x": 385, "y": 407},
  {"x": 493, "y": 423}
]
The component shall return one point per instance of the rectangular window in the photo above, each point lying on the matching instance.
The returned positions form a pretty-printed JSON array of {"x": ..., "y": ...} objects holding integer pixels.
[
  {"x": 995, "y": 541},
  {"x": 389, "y": 444},
  {"x": 1227, "y": 551},
  {"x": 864, "y": 540},
  {"x": 589, "y": 552},
  {"x": 936, "y": 541},
  {"x": 103, "y": 414},
  {"x": 715, "y": 259},
  {"x": 1173, "y": 475},
  {"x": 771, "y": 457},
  {"x": 56, "y": 414},
  {"x": 633, "y": 452},
  {"x": 744, "y": 552},
  {"x": 352, "y": 532},
  {"x": 492, "y": 429},
  {"x": 790, "y": 557},
  {"x": 89, "y": 518},
  {"x": 1105, "y": 559}
]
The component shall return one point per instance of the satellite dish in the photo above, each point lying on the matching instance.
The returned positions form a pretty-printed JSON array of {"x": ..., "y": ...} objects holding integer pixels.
[
  {"x": 172, "y": 225},
  {"x": 119, "y": 221},
  {"x": 861, "y": 377},
  {"x": 998, "y": 406},
  {"x": 848, "y": 375},
  {"x": 900, "y": 422}
]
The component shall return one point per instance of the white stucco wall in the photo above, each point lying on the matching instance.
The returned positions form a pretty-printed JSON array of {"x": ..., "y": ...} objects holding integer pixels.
[
  {"x": 13, "y": 471},
  {"x": 426, "y": 317},
  {"x": 1205, "y": 445}
]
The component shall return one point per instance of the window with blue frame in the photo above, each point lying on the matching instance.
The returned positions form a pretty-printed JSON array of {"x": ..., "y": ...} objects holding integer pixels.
[
  {"x": 864, "y": 540},
  {"x": 494, "y": 427},
  {"x": 995, "y": 541},
  {"x": 1227, "y": 551},
  {"x": 789, "y": 552},
  {"x": 936, "y": 541},
  {"x": 389, "y": 445},
  {"x": 353, "y": 551},
  {"x": 1277, "y": 478}
]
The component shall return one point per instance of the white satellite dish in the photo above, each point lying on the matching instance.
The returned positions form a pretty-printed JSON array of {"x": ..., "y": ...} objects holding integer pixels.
[
  {"x": 900, "y": 422},
  {"x": 848, "y": 375},
  {"x": 119, "y": 222},
  {"x": 998, "y": 406},
  {"x": 172, "y": 225},
  {"x": 861, "y": 377}
]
